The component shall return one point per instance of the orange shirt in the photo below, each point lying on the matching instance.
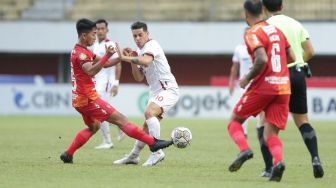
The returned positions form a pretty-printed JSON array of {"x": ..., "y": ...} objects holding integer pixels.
[
  {"x": 274, "y": 78},
  {"x": 83, "y": 88}
]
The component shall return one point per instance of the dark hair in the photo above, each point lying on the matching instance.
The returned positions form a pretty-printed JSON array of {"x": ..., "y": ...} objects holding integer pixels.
[
  {"x": 272, "y": 5},
  {"x": 84, "y": 26},
  {"x": 139, "y": 25},
  {"x": 102, "y": 21},
  {"x": 254, "y": 7}
]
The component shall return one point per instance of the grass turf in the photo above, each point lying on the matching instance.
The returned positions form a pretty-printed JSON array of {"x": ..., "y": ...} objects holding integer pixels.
[{"x": 30, "y": 149}]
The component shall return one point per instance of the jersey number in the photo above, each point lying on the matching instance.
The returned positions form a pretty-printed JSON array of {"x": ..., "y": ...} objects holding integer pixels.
[{"x": 275, "y": 58}]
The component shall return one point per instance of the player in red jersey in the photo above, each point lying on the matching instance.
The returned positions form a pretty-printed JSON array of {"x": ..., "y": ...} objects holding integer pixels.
[
  {"x": 94, "y": 110},
  {"x": 269, "y": 89}
]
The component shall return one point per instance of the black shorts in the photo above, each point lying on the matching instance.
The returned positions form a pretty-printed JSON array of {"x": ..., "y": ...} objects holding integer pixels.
[{"x": 298, "y": 98}]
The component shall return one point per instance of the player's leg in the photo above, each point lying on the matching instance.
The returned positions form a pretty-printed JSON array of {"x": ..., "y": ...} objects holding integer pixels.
[
  {"x": 276, "y": 115},
  {"x": 135, "y": 132},
  {"x": 236, "y": 133},
  {"x": 158, "y": 104},
  {"x": 105, "y": 127},
  {"x": 80, "y": 139},
  {"x": 263, "y": 146},
  {"x": 245, "y": 127},
  {"x": 133, "y": 156},
  {"x": 247, "y": 105},
  {"x": 275, "y": 147},
  {"x": 298, "y": 108}
]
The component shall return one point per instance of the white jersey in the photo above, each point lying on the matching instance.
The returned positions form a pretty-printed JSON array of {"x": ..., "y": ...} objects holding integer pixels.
[
  {"x": 158, "y": 73},
  {"x": 106, "y": 75},
  {"x": 242, "y": 57}
]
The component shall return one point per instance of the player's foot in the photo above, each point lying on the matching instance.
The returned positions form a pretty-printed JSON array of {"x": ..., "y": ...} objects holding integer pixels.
[
  {"x": 121, "y": 135},
  {"x": 317, "y": 168},
  {"x": 104, "y": 145},
  {"x": 66, "y": 158},
  {"x": 239, "y": 161},
  {"x": 277, "y": 171},
  {"x": 128, "y": 159},
  {"x": 266, "y": 173},
  {"x": 160, "y": 144},
  {"x": 154, "y": 158}
]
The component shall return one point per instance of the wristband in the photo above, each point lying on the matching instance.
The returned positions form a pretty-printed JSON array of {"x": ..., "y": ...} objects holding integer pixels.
[
  {"x": 116, "y": 83},
  {"x": 104, "y": 59}
]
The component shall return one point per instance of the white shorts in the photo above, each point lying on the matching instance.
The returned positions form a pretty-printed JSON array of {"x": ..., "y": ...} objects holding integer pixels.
[{"x": 166, "y": 99}]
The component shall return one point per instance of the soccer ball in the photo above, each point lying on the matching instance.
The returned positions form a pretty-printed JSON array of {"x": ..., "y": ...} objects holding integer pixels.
[{"x": 181, "y": 137}]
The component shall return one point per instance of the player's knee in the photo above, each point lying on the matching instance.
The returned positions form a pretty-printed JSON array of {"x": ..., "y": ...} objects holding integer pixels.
[{"x": 150, "y": 113}]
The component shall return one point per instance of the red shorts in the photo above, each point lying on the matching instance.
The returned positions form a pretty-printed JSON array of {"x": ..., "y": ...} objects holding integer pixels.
[
  {"x": 276, "y": 107},
  {"x": 97, "y": 110}
]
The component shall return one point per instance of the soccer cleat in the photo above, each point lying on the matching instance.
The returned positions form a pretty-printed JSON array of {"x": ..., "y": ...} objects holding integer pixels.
[
  {"x": 239, "y": 161},
  {"x": 317, "y": 168},
  {"x": 266, "y": 174},
  {"x": 277, "y": 171},
  {"x": 154, "y": 158},
  {"x": 104, "y": 145},
  {"x": 128, "y": 159},
  {"x": 66, "y": 158},
  {"x": 160, "y": 144}
]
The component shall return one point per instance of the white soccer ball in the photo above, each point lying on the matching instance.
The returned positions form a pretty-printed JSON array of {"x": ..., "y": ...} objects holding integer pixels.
[{"x": 181, "y": 137}]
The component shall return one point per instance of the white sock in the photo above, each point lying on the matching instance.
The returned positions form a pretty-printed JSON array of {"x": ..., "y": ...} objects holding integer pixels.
[
  {"x": 105, "y": 130},
  {"x": 153, "y": 127},
  {"x": 245, "y": 125},
  {"x": 138, "y": 146}
]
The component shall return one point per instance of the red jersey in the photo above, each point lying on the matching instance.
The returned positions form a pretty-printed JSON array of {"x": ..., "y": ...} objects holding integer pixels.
[
  {"x": 83, "y": 87},
  {"x": 274, "y": 78}
]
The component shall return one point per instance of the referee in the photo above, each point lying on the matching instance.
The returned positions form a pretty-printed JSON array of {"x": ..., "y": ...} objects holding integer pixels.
[{"x": 298, "y": 38}]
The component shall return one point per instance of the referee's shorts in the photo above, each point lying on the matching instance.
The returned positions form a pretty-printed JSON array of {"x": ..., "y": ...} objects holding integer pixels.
[{"x": 298, "y": 98}]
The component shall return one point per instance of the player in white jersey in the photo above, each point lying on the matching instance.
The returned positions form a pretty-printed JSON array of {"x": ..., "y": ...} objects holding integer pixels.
[
  {"x": 107, "y": 80},
  {"x": 241, "y": 62},
  {"x": 150, "y": 62}
]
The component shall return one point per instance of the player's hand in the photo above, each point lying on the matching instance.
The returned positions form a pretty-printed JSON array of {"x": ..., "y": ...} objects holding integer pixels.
[
  {"x": 127, "y": 51},
  {"x": 114, "y": 90},
  {"x": 110, "y": 50},
  {"x": 243, "y": 82},
  {"x": 120, "y": 54}
]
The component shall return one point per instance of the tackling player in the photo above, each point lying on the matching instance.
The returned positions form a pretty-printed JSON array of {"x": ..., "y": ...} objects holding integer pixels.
[
  {"x": 269, "y": 90},
  {"x": 84, "y": 66}
]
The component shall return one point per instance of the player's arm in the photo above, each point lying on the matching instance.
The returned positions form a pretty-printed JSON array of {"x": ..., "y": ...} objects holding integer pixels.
[
  {"x": 138, "y": 60},
  {"x": 92, "y": 68},
  {"x": 109, "y": 63},
  {"x": 233, "y": 76},
  {"x": 260, "y": 61},
  {"x": 290, "y": 55},
  {"x": 137, "y": 73},
  {"x": 308, "y": 50}
]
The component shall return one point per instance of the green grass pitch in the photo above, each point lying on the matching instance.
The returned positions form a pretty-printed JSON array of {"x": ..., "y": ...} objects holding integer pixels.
[{"x": 30, "y": 149}]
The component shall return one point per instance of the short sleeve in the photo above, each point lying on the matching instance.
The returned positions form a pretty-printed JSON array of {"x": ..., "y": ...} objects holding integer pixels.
[
  {"x": 235, "y": 57},
  {"x": 252, "y": 40},
  {"x": 151, "y": 49},
  {"x": 304, "y": 34},
  {"x": 84, "y": 57}
]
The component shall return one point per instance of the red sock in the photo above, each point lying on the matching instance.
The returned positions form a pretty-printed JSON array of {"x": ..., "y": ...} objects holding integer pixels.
[
  {"x": 275, "y": 147},
  {"x": 237, "y": 134},
  {"x": 135, "y": 132},
  {"x": 81, "y": 138}
]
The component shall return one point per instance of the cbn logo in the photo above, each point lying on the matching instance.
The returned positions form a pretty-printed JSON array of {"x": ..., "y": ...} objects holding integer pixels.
[{"x": 142, "y": 101}]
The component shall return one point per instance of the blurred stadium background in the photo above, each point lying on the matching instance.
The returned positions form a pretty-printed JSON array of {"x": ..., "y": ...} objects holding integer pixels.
[{"x": 198, "y": 37}]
